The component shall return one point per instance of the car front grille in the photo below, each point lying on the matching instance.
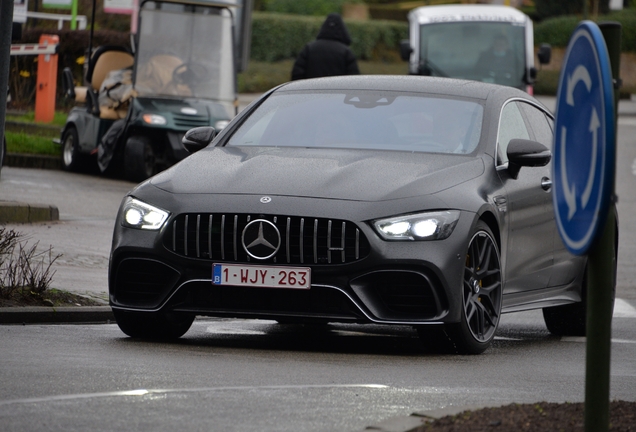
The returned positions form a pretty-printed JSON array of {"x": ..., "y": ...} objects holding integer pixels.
[
  {"x": 190, "y": 121},
  {"x": 304, "y": 240}
]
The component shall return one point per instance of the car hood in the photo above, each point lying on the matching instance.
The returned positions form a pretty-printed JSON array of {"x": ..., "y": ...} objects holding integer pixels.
[{"x": 321, "y": 173}]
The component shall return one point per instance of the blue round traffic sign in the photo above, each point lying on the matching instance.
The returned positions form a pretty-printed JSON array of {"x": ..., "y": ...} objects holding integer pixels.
[{"x": 584, "y": 148}]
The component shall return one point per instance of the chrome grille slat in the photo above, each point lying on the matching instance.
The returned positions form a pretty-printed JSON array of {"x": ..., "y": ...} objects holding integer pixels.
[
  {"x": 219, "y": 236},
  {"x": 315, "y": 241},
  {"x": 210, "y": 220},
  {"x": 235, "y": 240},
  {"x": 287, "y": 230},
  {"x": 302, "y": 238},
  {"x": 223, "y": 237},
  {"x": 329, "y": 241},
  {"x": 185, "y": 236},
  {"x": 198, "y": 236},
  {"x": 342, "y": 241}
]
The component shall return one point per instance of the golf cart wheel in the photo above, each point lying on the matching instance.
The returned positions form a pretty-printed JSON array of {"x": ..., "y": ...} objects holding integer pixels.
[
  {"x": 139, "y": 159},
  {"x": 72, "y": 157},
  {"x": 153, "y": 325},
  {"x": 482, "y": 293}
]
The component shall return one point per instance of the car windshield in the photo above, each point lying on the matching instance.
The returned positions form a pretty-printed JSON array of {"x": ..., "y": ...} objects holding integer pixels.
[
  {"x": 483, "y": 51},
  {"x": 185, "y": 51},
  {"x": 363, "y": 120}
]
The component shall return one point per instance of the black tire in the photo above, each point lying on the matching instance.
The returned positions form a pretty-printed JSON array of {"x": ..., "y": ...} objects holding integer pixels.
[
  {"x": 153, "y": 326},
  {"x": 567, "y": 320},
  {"x": 72, "y": 157},
  {"x": 139, "y": 159},
  {"x": 570, "y": 319},
  {"x": 482, "y": 291}
]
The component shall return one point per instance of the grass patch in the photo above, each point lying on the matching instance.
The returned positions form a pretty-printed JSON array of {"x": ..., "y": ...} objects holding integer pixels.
[
  {"x": 59, "y": 118},
  {"x": 21, "y": 142}
]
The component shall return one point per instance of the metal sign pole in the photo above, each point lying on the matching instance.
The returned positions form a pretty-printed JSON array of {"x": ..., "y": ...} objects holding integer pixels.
[{"x": 601, "y": 285}]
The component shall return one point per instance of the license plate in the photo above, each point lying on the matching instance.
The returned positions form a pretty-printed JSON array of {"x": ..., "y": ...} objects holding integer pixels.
[{"x": 261, "y": 276}]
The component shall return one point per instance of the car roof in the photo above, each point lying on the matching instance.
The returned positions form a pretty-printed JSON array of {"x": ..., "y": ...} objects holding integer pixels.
[{"x": 406, "y": 83}]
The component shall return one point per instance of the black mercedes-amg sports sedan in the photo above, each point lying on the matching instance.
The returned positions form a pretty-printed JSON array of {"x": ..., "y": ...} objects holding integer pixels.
[{"x": 398, "y": 200}]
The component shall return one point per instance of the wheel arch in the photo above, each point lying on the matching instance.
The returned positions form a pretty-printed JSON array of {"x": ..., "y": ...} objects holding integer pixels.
[{"x": 489, "y": 219}]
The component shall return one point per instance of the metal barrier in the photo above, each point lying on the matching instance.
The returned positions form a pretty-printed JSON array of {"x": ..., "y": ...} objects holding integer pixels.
[{"x": 60, "y": 18}]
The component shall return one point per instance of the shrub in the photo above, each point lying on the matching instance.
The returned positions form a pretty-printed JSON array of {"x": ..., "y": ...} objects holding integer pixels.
[
  {"x": 23, "y": 270},
  {"x": 279, "y": 36},
  {"x": 557, "y": 31},
  {"x": 304, "y": 7}
]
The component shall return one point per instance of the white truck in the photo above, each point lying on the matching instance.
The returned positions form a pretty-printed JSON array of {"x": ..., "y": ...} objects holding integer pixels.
[{"x": 486, "y": 43}]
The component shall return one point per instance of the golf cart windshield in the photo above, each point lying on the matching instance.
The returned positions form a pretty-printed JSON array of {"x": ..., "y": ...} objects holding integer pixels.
[
  {"x": 185, "y": 51},
  {"x": 483, "y": 51}
]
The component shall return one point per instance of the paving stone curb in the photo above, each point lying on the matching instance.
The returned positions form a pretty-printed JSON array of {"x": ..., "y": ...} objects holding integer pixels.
[
  {"x": 56, "y": 315},
  {"x": 16, "y": 212}
]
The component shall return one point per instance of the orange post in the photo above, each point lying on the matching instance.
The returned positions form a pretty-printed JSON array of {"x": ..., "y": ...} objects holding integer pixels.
[{"x": 46, "y": 82}]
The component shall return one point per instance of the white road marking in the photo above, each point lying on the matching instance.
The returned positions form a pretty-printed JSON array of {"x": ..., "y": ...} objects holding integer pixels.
[
  {"x": 583, "y": 339},
  {"x": 143, "y": 392},
  {"x": 634, "y": 167},
  {"x": 622, "y": 309}
]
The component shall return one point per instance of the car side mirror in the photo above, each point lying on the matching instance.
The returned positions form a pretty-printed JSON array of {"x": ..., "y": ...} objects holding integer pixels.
[
  {"x": 526, "y": 153},
  {"x": 545, "y": 53},
  {"x": 198, "y": 138},
  {"x": 405, "y": 49}
]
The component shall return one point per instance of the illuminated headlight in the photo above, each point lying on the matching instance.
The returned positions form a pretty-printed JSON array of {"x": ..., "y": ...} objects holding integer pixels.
[
  {"x": 220, "y": 125},
  {"x": 422, "y": 226},
  {"x": 138, "y": 214},
  {"x": 154, "y": 119}
]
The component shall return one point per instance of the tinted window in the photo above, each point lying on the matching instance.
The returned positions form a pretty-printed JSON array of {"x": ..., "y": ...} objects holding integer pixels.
[
  {"x": 539, "y": 124},
  {"x": 511, "y": 126},
  {"x": 363, "y": 120}
]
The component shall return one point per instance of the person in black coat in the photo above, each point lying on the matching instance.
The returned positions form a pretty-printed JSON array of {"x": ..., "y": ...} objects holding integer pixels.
[{"x": 329, "y": 54}]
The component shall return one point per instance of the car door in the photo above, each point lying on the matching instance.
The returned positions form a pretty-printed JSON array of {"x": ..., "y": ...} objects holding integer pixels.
[
  {"x": 530, "y": 236},
  {"x": 565, "y": 266}
]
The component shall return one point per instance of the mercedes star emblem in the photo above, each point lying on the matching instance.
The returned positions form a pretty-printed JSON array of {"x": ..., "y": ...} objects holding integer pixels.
[
  {"x": 266, "y": 199},
  {"x": 261, "y": 239}
]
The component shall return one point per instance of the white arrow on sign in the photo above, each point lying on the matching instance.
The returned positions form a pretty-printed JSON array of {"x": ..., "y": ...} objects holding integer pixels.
[
  {"x": 594, "y": 125},
  {"x": 579, "y": 74},
  {"x": 570, "y": 197}
]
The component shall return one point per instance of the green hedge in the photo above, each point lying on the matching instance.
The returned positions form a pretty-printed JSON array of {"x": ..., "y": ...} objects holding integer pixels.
[
  {"x": 277, "y": 36},
  {"x": 557, "y": 31}
]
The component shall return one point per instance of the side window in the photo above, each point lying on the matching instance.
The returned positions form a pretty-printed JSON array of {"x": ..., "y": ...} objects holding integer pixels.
[
  {"x": 539, "y": 124},
  {"x": 511, "y": 125}
]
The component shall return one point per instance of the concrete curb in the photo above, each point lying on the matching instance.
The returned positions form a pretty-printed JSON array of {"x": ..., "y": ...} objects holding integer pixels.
[
  {"x": 417, "y": 421},
  {"x": 56, "y": 315},
  {"x": 15, "y": 212},
  {"x": 21, "y": 160}
]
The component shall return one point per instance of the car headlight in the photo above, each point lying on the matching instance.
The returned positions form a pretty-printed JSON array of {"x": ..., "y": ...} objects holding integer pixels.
[
  {"x": 154, "y": 119},
  {"x": 138, "y": 214},
  {"x": 421, "y": 226}
]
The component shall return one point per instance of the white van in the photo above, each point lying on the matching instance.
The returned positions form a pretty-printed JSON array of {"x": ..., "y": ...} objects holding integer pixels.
[{"x": 486, "y": 43}]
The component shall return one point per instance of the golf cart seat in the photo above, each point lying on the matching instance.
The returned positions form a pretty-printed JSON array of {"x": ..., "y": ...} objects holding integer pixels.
[
  {"x": 156, "y": 76},
  {"x": 105, "y": 60}
]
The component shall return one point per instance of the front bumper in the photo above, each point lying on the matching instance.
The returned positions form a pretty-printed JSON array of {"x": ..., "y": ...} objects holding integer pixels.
[{"x": 395, "y": 283}]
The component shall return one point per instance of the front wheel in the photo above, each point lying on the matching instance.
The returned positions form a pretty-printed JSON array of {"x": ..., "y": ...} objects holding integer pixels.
[
  {"x": 71, "y": 154},
  {"x": 481, "y": 295},
  {"x": 152, "y": 325},
  {"x": 139, "y": 159}
]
